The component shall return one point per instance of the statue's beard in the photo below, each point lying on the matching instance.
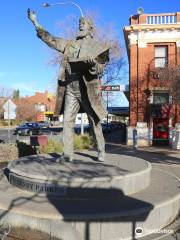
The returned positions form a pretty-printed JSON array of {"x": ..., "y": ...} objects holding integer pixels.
[{"x": 83, "y": 34}]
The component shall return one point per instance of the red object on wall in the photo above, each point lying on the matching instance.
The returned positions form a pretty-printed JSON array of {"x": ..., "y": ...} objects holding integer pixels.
[{"x": 160, "y": 128}]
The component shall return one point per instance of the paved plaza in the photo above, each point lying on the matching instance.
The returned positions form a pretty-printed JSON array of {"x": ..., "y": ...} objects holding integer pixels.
[{"x": 94, "y": 214}]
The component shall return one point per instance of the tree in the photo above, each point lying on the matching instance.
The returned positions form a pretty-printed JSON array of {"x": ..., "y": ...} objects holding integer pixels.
[
  {"x": 5, "y": 92},
  {"x": 170, "y": 77},
  {"x": 106, "y": 34},
  {"x": 165, "y": 79},
  {"x": 25, "y": 111},
  {"x": 16, "y": 94},
  {"x": 1, "y": 108}
]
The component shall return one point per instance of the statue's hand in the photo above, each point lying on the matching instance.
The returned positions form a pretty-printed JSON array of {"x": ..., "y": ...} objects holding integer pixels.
[
  {"x": 92, "y": 62},
  {"x": 31, "y": 15}
]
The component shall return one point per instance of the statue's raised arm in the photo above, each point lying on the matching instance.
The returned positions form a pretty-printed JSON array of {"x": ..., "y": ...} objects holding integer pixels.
[{"x": 54, "y": 42}]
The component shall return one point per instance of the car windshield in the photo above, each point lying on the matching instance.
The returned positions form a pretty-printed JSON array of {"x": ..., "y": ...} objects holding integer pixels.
[
  {"x": 23, "y": 125},
  {"x": 28, "y": 125}
]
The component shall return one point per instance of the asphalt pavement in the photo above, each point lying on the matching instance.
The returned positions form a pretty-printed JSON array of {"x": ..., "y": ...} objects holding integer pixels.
[{"x": 7, "y": 135}]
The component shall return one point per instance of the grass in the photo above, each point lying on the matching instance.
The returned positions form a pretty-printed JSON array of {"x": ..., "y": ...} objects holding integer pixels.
[
  {"x": 80, "y": 142},
  {"x": 5, "y": 123},
  {"x": 52, "y": 146}
]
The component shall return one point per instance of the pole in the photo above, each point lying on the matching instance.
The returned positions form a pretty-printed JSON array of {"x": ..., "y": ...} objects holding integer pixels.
[
  {"x": 82, "y": 125},
  {"x": 9, "y": 140},
  {"x": 135, "y": 138},
  {"x": 65, "y": 3},
  {"x": 107, "y": 105}
]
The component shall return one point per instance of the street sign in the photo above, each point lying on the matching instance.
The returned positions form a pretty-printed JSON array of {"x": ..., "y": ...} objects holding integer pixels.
[
  {"x": 108, "y": 88},
  {"x": 9, "y": 106},
  {"x": 10, "y": 115},
  {"x": 9, "y": 110}
]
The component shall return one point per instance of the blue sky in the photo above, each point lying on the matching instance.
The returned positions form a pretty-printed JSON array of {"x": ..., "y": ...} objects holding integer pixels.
[{"x": 24, "y": 58}]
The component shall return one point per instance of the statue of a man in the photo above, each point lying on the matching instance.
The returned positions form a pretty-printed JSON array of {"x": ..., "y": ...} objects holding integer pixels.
[{"x": 78, "y": 85}]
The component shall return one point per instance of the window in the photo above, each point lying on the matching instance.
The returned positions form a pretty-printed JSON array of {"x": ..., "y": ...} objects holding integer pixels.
[
  {"x": 160, "y": 98},
  {"x": 40, "y": 107},
  {"x": 160, "y": 56}
]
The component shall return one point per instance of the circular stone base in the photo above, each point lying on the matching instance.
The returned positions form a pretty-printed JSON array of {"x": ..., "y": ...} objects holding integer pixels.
[
  {"x": 82, "y": 178},
  {"x": 80, "y": 219}
]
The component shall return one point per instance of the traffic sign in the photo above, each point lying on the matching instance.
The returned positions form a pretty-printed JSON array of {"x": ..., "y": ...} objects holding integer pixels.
[
  {"x": 9, "y": 109},
  {"x": 9, "y": 106},
  {"x": 10, "y": 115}
]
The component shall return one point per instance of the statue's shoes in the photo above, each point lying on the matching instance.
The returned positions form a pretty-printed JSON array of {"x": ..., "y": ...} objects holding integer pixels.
[
  {"x": 63, "y": 158},
  {"x": 67, "y": 159},
  {"x": 101, "y": 156}
]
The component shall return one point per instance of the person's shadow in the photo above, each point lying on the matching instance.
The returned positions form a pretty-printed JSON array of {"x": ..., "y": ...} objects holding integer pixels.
[
  {"x": 104, "y": 208},
  {"x": 87, "y": 208}
]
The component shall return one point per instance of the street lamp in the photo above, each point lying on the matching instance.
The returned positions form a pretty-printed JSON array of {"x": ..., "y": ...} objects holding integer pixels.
[{"x": 64, "y": 3}]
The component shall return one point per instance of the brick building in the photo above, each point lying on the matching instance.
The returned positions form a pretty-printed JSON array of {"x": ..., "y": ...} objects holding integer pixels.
[
  {"x": 152, "y": 42},
  {"x": 44, "y": 103}
]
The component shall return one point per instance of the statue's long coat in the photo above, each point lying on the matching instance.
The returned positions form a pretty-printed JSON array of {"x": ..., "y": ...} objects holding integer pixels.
[{"x": 91, "y": 77}]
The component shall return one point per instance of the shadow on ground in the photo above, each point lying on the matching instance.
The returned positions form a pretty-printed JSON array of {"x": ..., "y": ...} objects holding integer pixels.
[{"x": 162, "y": 155}]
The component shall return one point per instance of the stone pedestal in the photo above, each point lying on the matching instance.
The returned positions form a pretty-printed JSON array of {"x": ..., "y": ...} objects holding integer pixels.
[
  {"x": 143, "y": 135},
  {"x": 176, "y": 137},
  {"x": 80, "y": 179},
  {"x": 85, "y": 199}
]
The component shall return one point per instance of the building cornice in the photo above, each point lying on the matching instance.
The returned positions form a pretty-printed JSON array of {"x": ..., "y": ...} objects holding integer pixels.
[
  {"x": 143, "y": 37},
  {"x": 148, "y": 27}
]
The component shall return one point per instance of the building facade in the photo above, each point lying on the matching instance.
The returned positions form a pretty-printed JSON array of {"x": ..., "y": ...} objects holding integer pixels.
[
  {"x": 44, "y": 104},
  {"x": 153, "y": 45}
]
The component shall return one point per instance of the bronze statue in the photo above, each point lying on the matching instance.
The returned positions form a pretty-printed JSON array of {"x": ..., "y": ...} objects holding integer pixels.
[{"x": 79, "y": 84}]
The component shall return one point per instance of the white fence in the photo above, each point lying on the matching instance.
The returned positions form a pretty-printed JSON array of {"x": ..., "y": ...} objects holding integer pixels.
[{"x": 161, "y": 19}]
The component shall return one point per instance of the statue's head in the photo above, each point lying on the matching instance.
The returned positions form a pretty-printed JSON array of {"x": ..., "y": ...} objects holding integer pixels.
[{"x": 85, "y": 28}]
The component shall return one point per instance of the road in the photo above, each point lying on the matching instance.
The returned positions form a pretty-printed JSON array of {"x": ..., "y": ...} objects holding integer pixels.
[
  {"x": 119, "y": 137},
  {"x": 4, "y": 134}
]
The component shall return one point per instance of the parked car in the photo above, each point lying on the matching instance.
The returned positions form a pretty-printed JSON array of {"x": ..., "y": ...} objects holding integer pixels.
[
  {"x": 29, "y": 128},
  {"x": 45, "y": 124},
  {"x": 113, "y": 126},
  {"x": 77, "y": 128}
]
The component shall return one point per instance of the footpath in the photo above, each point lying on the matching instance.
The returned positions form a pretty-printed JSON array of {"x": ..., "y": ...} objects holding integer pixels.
[{"x": 162, "y": 158}]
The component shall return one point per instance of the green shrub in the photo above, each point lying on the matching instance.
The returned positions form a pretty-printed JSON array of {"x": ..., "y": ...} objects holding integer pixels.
[
  {"x": 5, "y": 123},
  {"x": 15, "y": 122},
  {"x": 52, "y": 146},
  {"x": 82, "y": 142},
  {"x": 8, "y": 152}
]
